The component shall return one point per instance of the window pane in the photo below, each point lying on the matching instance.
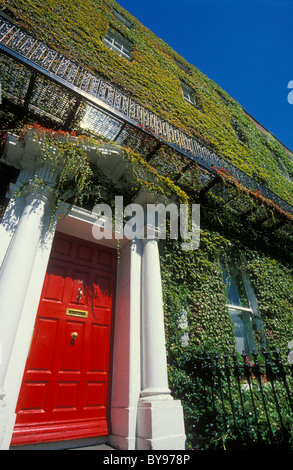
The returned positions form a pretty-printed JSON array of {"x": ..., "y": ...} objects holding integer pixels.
[
  {"x": 243, "y": 331},
  {"x": 187, "y": 96},
  {"x": 109, "y": 38},
  {"x": 118, "y": 43},
  {"x": 187, "y": 93},
  {"x": 249, "y": 331},
  {"x": 121, "y": 18},
  {"x": 239, "y": 332},
  {"x": 235, "y": 289}
]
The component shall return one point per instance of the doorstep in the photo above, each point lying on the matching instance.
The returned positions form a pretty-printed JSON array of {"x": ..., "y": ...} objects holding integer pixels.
[{"x": 98, "y": 443}]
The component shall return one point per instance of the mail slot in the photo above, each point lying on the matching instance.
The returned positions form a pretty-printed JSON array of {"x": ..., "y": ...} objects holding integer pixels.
[{"x": 77, "y": 313}]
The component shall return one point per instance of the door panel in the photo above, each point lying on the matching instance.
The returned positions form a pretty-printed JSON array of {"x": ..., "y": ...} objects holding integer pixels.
[
  {"x": 73, "y": 348},
  {"x": 55, "y": 282},
  {"x": 42, "y": 349},
  {"x": 98, "y": 362},
  {"x": 66, "y": 384}
]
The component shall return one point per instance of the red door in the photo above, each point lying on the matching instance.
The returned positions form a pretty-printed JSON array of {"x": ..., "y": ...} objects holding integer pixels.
[{"x": 65, "y": 391}]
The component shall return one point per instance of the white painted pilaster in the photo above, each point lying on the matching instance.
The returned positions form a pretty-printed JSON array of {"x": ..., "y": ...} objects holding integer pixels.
[
  {"x": 154, "y": 373},
  {"x": 126, "y": 381},
  {"x": 15, "y": 277},
  {"x": 160, "y": 424}
]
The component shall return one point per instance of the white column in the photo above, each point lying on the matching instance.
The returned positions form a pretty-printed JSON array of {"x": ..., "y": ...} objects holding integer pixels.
[
  {"x": 16, "y": 270},
  {"x": 154, "y": 373},
  {"x": 160, "y": 424}
]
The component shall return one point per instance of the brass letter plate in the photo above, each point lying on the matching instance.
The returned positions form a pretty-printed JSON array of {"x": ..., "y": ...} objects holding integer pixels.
[{"x": 77, "y": 313}]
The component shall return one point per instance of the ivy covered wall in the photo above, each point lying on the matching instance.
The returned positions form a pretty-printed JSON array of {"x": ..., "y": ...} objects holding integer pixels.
[
  {"x": 153, "y": 76},
  {"x": 192, "y": 281}
]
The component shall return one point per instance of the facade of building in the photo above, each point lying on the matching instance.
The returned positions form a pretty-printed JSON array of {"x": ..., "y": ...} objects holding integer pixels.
[{"x": 98, "y": 328}]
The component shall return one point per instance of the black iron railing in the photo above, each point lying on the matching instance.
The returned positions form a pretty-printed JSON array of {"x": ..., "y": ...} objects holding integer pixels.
[{"x": 242, "y": 402}]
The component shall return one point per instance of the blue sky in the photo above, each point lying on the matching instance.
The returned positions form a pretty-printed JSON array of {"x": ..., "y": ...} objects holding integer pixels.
[{"x": 245, "y": 46}]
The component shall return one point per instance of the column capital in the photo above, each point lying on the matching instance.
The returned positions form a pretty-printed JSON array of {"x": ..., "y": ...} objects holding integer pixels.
[
  {"x": 38, "y": 189},
  {"x": 151, "y": 240}
]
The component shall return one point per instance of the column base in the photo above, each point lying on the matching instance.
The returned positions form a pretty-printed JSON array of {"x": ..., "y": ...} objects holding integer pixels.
[
  {"x": 160, "y": 424},
  {"x": 123, "y": 422},
  {"x": 156, "y": 393},
  {"x": 7, "y": 421}
]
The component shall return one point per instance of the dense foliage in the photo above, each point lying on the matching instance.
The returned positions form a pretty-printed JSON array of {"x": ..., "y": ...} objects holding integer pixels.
[
  {"x": 153, "y": 77},
  {"x": 192, "y": 280},
  {"x": 193, "y": 283}
]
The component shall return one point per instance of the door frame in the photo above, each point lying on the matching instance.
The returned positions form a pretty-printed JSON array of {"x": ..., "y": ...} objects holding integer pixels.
[
  {"x": 78, "y": 223},
  {"x": 73, "y": 428},
  {"x": 126, "y": 369}
]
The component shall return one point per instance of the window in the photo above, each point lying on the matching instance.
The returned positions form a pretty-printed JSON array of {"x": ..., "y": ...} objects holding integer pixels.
[
  {"x": 121, "y": 18},
  {"x": 242, "y": 306},
  {"x": 181, "y": 66},
  {"x": 188, "y": 93},
  {"x": 118, "y": 43}
]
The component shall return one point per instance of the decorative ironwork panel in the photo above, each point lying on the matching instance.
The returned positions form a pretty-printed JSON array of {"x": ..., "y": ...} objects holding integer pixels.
[
  {"x": 73, "y": 73},
  {"x": 153, "y": 123},
  {"x": 121, "y": 102},
  {"x": 106, "y": 93},
  {"x": 51, "y": 100},
  {"x": 27, "y": 46},
  {"x": 61, "y": 68},
  {"x": 14, "y": 80},
  {"x": 6, "y": 29},
  {"x": 49, "y": 60},
  {"x": 37, "y": 54},
  {"x": 94, "y": 85},
  {"x": 15, "y": 40},
  {"x": 137, "y": 140},
  {"x": 100, "y": 123},
  {"x": 121, "y": 135}
]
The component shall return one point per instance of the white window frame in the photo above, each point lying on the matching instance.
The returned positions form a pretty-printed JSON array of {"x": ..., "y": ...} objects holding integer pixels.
[
  {"x": 188, "y": 93},
  {"x": 118, "y": 43},
  {"x": 246, "y": 317}
]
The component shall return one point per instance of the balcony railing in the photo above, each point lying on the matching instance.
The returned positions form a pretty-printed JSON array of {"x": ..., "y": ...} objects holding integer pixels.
[{"x": 46, "y": 82}]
